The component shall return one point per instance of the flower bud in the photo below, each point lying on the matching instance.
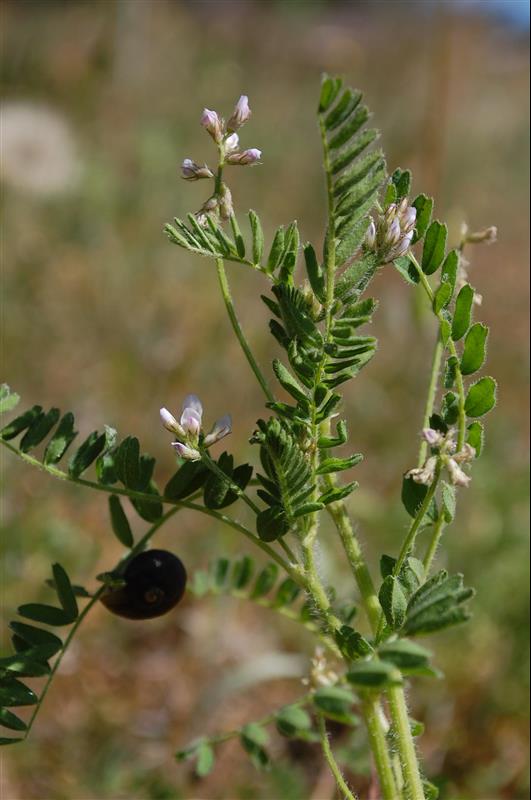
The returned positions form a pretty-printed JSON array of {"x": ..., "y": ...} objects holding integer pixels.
[
  {"x": 232, "y": 143},
  {"x": 393, "y": 233},
  {"x": 246, "y": 158},
  {"x": 225, "y": 202},
  {"x": 193, "y": 172},
  {"x": 170, "y": 423},
  {"x": 186, "y": 452},
  {"x": 425, "y": 474},
  {"x": 370, "y": 236},
  {"x": 212, "y": 124},
  {"x": 403, "y": 246},
  {"x": 240, "y": 115},
  {"x": 408, "y": 219}
]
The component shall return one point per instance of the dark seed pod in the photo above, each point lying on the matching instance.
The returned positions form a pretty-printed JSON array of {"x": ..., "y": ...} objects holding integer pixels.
[{"x": 154, "y": 583}]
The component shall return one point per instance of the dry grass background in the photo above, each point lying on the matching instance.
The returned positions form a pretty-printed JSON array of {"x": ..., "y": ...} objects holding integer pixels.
[{"x": 102, "y": 316}]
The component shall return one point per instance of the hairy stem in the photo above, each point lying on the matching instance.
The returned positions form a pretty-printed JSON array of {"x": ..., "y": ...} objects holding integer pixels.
[
  {"x": 331, "y": 761},
  {"x": 378, "y": 743},
  {"x": 461, "y": 397},
  {"x": 358, "y": 565},
  {"x": 432, "y": 392},
  {"x": 433, "y": 543},
  {"x": 413, "y": 789},
  {"x": 409, "y": 540}
]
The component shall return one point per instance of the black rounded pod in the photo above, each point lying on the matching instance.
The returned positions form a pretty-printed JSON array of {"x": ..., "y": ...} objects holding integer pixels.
[{"x": 155, "y": 581}]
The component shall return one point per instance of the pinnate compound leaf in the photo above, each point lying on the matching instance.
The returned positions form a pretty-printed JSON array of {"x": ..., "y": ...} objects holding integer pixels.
[{"x": 481, "y": 397}]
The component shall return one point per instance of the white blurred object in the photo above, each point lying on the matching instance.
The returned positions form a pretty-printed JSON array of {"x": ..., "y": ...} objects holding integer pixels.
[{"x": 38, "y": 154}]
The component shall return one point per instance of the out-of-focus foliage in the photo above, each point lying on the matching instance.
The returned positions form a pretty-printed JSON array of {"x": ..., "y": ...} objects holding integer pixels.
[{"x": 103, "y": 315}]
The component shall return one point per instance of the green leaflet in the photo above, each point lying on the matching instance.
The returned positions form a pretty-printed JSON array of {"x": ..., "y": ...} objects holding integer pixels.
[
  {"x": 434, "y": 247},
  {"x": 481, "y": 397},
  {"x": 462, "y": 312},
  {"x": 475, "y": 349}
]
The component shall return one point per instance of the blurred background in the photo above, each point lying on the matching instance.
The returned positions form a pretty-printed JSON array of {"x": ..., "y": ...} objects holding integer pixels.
[{"x": 101, "y": 102}]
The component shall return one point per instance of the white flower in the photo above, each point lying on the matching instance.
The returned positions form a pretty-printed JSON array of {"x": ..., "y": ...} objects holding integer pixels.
[
  {"x": 432, "y": 437},
  {"x": 37, "y": 149},
  {"x": 232, "y": 143},
  {"x": 423, "y": 474},
  {"x": 457, "y": 476},
  {"x": 188, "y": 430}
]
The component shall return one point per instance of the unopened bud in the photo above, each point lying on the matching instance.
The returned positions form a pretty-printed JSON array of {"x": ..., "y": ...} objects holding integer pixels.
[
  {"x": 193, "y": 172},
  {"x": 232, "y": 143},
  {"x": 393, "y": 233},
  {"x": 186, "y": 452},
  {"x": 370, "y": 236},
  {"x": 408, "y": 219},
  {"x": 212, "y": 124},
  {"x": 240, "y": 115},
  {"x": 246, "y": 158},
  {"x": 403, "y": 246},
  {"x": 225, "y": 202}
]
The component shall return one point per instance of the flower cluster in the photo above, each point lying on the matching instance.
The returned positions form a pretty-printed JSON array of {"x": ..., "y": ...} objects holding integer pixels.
[
  {"x": 443, "y": 453},
  {"x": 219, "y": 204},
  {"x": 188, "y": 431},
  {"x": 390, "y": 236}
]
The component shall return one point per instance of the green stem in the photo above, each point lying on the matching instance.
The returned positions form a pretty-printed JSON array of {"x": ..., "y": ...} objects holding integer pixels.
[
  {"x": 409, "y": 541},
  {"x": 413, "y": 789},
  {"x": 430, "y": 400},
  {"x": 461, "y": 397},
  {"x": 353, "y": 551},
  {"x": 433, "y": 543},
  {"x": 378, "y": 743},
  {"x": 332, "y": 763},
  {"x": 229, "y": 305},
  {"x": 101, "y": 487}
]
